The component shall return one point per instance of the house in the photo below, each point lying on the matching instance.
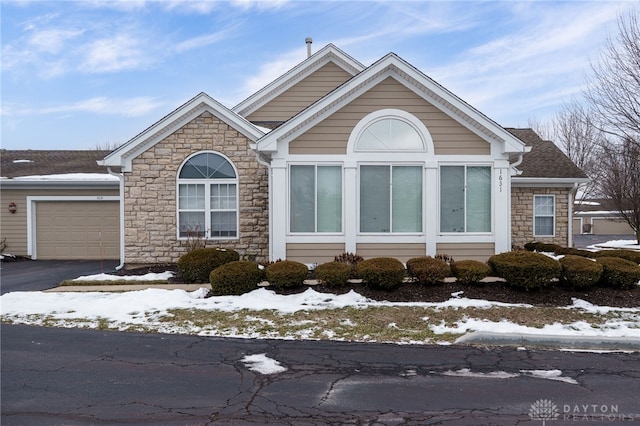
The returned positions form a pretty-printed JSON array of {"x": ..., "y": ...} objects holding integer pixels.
[
  {"x": 336, "y": 157},
  {"x": 598, "y": 216}
]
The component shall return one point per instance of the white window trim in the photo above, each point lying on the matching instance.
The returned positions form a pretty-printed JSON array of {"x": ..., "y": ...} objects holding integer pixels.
[
  {"x": 552, "y": 196},
  {"x": 207, "y": 197},
  {"x": 482, "y": 235},
  {"x": 330, "y": 235}
]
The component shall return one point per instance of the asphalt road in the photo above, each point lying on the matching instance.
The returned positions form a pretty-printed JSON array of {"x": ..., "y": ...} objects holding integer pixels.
[
  {"x": 79, "y": 377},
  {"x": 34, "y": 275}
]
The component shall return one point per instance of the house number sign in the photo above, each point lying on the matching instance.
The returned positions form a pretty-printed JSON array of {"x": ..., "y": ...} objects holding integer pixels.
[{"x": 500, "y": 180}]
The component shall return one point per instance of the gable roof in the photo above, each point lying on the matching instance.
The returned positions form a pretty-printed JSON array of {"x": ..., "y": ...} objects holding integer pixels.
[
  {"x": 329, "y": 53},
  {"x": 545, "y": 160},
  {"x": 20, "y": 163},
  {"x": 202, "y": 102},
  {"x": 393, "y": 66}
]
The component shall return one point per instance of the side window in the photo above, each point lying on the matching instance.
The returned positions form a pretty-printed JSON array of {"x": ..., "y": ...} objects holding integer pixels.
[
  {"x": 208, "y": 197},
  {"x": 544, "y": 215},
  {"x": 465, "y": 199},
  {"x": 315, "y": 198}
]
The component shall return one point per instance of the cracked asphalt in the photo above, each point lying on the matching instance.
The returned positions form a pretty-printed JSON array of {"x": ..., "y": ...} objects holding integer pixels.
[{"x": 80, "y": 377}]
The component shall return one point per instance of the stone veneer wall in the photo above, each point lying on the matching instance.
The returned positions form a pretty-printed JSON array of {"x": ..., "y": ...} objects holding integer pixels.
[
  {"x": 522, "y": 215},
  {"x": 150, "y": 194}
]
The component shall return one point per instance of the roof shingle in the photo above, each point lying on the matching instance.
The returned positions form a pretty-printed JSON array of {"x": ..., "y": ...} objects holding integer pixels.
[{"x": 41, "y": 162}]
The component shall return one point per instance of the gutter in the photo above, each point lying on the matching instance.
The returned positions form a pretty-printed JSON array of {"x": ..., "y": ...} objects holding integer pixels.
[
  {"x": 121, "y": 220},
  {"x": 570, "y": 214}
]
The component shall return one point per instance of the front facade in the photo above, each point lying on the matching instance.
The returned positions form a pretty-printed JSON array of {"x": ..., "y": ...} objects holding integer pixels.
[{"x": 336, "y": 157}]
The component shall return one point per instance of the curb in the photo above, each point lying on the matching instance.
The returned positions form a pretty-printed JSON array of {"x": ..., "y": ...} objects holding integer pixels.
[{"x": 552, "y": 341}]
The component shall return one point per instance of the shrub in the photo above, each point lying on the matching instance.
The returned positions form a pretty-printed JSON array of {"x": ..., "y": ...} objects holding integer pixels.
[
  {"x": 630, "y": 255},
  {"x": 428, "y": 270},
  {"x": 382, "y": 272},
  {"x": 545, "y": 247},
  {"x": 525, "y": 269},
  {"x": 580, "y": 272},
  {"x": 235, "y": 278},
  {"x": 576, "y": 252},
  {"x": 196, "y": 266},
  {"x": 351, "y": 259},
  {"x": 334, "y": 274},
  {"x": 286, "y": 273},
  {"x": 619, "y": 273},
  {"x": 470, "y": 271}
]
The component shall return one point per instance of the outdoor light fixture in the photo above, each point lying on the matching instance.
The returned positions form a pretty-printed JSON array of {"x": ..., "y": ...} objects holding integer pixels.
[{"x": 12, "y": 207}]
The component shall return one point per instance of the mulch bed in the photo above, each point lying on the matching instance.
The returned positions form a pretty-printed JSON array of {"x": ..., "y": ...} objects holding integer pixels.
[{"x": 556, "y": 295}]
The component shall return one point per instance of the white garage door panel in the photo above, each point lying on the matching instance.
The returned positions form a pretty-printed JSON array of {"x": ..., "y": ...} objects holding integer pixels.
[
  {"x": 611, "y": 227},
  {"x": 77, "y": 230}
]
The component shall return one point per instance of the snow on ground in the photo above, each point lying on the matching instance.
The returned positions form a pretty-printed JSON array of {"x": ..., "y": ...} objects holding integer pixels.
[
  {"x": 626, "y": 244},
  {"x": 108, "y": 277},
  {"x": 262, "y": 364},
  {"x": 539, "y": 374}
]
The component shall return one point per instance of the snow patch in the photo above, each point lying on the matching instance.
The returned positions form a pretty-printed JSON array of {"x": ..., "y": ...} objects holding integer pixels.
[
  {"x": 108, "y": 277},
  {"x": 262, "y": 364}
]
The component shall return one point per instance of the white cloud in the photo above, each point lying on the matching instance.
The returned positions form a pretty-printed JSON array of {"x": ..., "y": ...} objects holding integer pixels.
[
  {"x": 118, "y": 53},
  {"x": 129, "y": 107},
  {"x": 201, "y": 41},
  {"x": 52, "y": 41}
]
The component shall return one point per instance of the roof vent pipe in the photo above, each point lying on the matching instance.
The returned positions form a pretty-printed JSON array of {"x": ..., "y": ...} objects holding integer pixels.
[{"x": 308, "y": 40}]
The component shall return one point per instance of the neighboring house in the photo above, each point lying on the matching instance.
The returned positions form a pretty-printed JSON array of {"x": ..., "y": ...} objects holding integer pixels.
[
  {"x": 59, "y": 205},
  {"x": 599, "y": 217},
  {"x": 336, "y": 157}
]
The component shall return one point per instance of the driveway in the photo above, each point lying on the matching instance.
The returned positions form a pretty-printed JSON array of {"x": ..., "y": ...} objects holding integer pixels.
[
  {"x": 34, "y": 275},
  {"x": 585, "y": 240}
]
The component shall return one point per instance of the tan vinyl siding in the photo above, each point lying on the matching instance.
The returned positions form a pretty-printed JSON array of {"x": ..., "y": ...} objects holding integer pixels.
[
  {"x": 577, "y": 226},
  {"x": 13, "y": 227},
  {"x": 467, "y": 251},
  {"x": 400, "y": 251},
  {"x": 314, "y": 253},
  {"x": 332, "y": 134},
  {"x": 302, "y": 94}
]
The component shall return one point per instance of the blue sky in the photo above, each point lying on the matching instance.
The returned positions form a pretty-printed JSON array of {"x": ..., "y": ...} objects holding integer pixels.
[{"x": 77, "y": 74}]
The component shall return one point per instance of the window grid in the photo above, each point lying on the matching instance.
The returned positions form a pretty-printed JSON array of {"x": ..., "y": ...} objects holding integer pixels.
[
  {"x": 298, "y": 201},
  {"x": 544, "y": 215},
  {"x": 466, "y": 208}
]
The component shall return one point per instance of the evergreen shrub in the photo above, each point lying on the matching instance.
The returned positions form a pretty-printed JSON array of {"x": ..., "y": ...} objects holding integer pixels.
[
  {"x": 428, "y": 270},
  {"x": 525, "y": 269},
  {"x": 196, "y": 265},
  {"x": 334, "y": 274},
  {"x": 286, "y": 273},
  {"x": 382, "y": 272},
  {"x": 470, "y": 271},
  {"x": 580, "y": 272},
  {"x": 619, "y": 273},
  {"x": 234, "y": 278}
]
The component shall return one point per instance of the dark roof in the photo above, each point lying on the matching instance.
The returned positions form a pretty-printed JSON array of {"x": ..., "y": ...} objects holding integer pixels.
[
  {"x": 39, "y": 162},
  {"x": 545, "y": 160}
]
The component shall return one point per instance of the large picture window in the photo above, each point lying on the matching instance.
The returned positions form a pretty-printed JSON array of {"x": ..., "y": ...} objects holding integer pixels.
[
  {"x": 544, "y": 215},
  {"x": 208, "y": 197},
  {"x": 465, "y": 199},
  {"x": 315, "y": 198},
  {"x": 390, "y": 199}
]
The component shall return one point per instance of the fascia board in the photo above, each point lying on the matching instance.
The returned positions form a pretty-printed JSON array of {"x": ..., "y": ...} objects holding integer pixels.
[
  {"x": 123, "y": 156},
  {"x": 547, "y": 182},
  {"x": 58, "y": 184},
  {"x": 329, "y": 53}
]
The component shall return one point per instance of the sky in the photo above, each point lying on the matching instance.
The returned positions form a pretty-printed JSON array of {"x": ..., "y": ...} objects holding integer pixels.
[{"x": 87, "y": 74}]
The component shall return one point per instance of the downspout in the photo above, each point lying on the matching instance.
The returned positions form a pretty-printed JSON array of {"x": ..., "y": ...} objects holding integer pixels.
[
  {"x": 267, "y": 164},
  {"x": 570, "y": 213},
  {"x": 121, "y": 195}
]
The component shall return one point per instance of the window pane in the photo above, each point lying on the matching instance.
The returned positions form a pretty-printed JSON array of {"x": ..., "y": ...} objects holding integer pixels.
[
  {"x": 191, "y": 197},
  {"x": 223, "y": 224},
  {"x": 302, "y": 198},
  {"x": 544, "y": 205},
  {"x": 452, "y": 199},
  {"x": 375, "y": 188},
  {"x": 478, "y": 199},
  {"x": 407, "y": 199},
  {"x": 389, "y": 134},
  {"x": 207, "y": 166},
  {"x": 191, "y": 224},
  {"x": 543, "y": 226},
  {"x": 329, "y": 199},
  {"x": 223, "y": 196}
]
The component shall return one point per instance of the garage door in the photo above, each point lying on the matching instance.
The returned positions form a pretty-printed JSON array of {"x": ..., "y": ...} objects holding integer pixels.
[
  {"x": 77, "y": 230},
  {"x": 611, "y": 227}
]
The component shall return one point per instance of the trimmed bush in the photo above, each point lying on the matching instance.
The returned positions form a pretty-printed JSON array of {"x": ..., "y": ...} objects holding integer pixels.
[
  {"x": 545, "y": 247},
  {"x": 525, "y": 269},
  {"x": 619, "y": 273},
  {"x": 286, "y": 273},
  {"x": 196, "y": 266},
  {"x": 470, "y": 271},
  {"x": 333, "y": 274},
  {"x": 428, "y": 270},
  {"x": 235, "y": 278},
  {"x": 576, "y": 252},
  {"x": 351, "y": 259},
  {"x": 580, "y": 272},
  {"x": 630, "y": 255},
  {"x": 382, "y": 272}
]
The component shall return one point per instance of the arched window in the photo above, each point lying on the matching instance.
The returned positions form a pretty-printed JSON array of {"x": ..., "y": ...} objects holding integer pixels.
[
  {"x": 208, "y": 197},
  {"x": 389, "y": 134}
]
